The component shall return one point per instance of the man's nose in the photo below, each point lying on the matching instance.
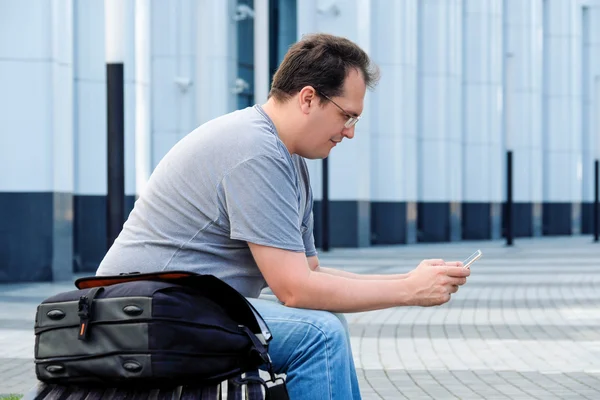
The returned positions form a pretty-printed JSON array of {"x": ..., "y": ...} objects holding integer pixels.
[{"x": 348, "y": 132}]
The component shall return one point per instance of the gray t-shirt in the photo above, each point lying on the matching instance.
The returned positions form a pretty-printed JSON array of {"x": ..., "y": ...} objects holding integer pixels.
[{"x": 229, "y": 182}]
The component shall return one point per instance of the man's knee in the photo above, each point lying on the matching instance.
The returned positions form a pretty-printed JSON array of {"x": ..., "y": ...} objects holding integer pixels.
[
  {"x": 342, "y": 320},
  {"x": 331, "y": 328},
  {"x": 302, "y": 326}
]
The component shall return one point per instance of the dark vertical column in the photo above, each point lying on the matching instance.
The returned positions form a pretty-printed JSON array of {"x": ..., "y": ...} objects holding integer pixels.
[
  {"x": 509, "y": 198},
  {"x": 114, "y": 20},
  {"x": 274, "y": 21},
  {"x": 596, "y": 195},
  {"x": 508, "y": 136},
  {"x": 115, "y": 205},
  {"x": 245, "y": 88},
  {"x": 325, "y": 207}
]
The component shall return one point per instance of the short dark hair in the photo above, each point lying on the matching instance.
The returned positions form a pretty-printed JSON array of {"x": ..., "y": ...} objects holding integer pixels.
[{"x": 322, "y": 61}]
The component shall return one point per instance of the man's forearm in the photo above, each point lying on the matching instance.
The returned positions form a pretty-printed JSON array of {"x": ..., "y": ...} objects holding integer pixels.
[
  {"x": 351, "y": 275},
  {"x": 323, "y": 291}
]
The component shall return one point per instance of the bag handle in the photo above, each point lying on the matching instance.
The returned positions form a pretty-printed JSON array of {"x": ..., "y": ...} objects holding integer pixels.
[{"x": 95, "y": 281}]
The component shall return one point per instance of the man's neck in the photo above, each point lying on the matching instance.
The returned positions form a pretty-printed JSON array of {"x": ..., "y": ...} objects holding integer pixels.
[{"x": 277, "y": 112}]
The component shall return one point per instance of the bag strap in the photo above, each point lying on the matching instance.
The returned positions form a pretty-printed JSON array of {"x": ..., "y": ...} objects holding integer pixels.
[
  {"x": 260, "y": 348},
  {"x": 85, "y": 311},
  {"x": 264, "y": 329},
  {"x": 277, "y": 391}
]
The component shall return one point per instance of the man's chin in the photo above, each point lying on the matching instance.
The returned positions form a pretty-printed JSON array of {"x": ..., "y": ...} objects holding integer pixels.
[{"x": 314, "y": 156}]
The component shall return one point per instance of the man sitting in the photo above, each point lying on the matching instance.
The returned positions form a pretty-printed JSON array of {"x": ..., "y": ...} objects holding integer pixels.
[{"x": 233, "y": 199}]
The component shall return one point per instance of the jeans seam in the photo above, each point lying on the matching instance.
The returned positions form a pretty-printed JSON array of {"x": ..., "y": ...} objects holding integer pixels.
[{"x": 327, "y": 350}]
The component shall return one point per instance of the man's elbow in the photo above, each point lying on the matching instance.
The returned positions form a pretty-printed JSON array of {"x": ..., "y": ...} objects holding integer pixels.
[
  {"x": 299, "y": 302},
  {"x": 287, "y": 297},
  {"x": 294, "y": 295}
]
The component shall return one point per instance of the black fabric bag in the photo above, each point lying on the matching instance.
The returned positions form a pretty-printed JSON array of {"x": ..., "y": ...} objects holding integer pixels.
[{"x": 154, "y": 330}]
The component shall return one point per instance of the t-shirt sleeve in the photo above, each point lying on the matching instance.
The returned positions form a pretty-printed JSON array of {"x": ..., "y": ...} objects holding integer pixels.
[
  {"x": 261, "y": 202},
  {"x": 308, "y": 237}
]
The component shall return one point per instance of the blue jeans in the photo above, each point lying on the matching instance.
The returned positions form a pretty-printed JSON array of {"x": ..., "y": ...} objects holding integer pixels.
[{"x": 313, "y": 349}]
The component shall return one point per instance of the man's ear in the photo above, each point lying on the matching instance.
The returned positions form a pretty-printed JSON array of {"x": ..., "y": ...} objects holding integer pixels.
[{"x": 307, "y": 99}]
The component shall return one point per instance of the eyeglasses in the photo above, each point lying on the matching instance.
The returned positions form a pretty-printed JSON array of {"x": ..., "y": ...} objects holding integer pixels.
[{"x": 352, "y": 120}]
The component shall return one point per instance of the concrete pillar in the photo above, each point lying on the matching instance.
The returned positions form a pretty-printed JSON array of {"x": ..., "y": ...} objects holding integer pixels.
[
  {"x": 130, "y": 103},
  {"x": 61, "y": 111},
  {"x": 561, "y": 113},
  {"x": 439, "y": 122},
  {"x": 287, "y": 26},
  {"x": 394, "y": 137},
  {"x": 262, "y": 76},
  {"x": 482, "y": 160},
  {"x": 306, "y": 14},
  {"x": 176, "y": 28},
  {"x": 90, "y": 135},
  {"x": 523, "y": 38},
  {"x": 216, "y": 63},
  {"x": 590, "y": 85},
  {"x": 36, "y": 149},
  {"x": 141, "y": 87}
]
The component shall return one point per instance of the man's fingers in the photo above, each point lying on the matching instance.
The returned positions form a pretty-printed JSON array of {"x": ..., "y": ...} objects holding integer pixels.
[
  {"x": 458, "y": 272},
  {"x": 457, "y": 281},
  {"x": 434, "y": 261},
  {"x": 454, "y": 263}
]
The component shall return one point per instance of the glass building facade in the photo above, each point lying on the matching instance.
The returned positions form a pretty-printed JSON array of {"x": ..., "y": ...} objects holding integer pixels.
[{"x": 462, "y": 82}]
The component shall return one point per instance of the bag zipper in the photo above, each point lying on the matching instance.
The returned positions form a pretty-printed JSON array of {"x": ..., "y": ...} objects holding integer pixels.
[
  {"x": 130, "y": 352},
  {"x": 133, "y": 321}
]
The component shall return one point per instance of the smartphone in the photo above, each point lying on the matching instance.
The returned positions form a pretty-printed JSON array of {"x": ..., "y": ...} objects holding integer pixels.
[{"x": 472, "y": 258}]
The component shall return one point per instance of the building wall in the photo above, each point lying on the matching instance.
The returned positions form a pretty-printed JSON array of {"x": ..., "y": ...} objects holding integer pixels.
[
  {"x": 90, "y": 172},
  {"x": 490, "y": 76},
  {"x": 561, "y": 117},
  {"x": 481, "y": 113},
  {"x": 173, "y": 66},
  {"x": 394, "y": 121},
  {"x": 461, "y": 82},
  {"x": 89, "y": 112},
  {"x": 523, "y": 72},
  {"x": 439, "y": 122},
  {"x": 36, "y": 140},
  {"x": 590, "y": 111}
]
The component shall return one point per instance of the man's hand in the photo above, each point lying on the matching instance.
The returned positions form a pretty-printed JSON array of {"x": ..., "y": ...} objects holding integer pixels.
[{"x": 434, "y": 281}]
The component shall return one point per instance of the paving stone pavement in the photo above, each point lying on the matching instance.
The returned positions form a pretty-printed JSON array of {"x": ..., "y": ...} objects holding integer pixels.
[{"x": 526, "y": 325}]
